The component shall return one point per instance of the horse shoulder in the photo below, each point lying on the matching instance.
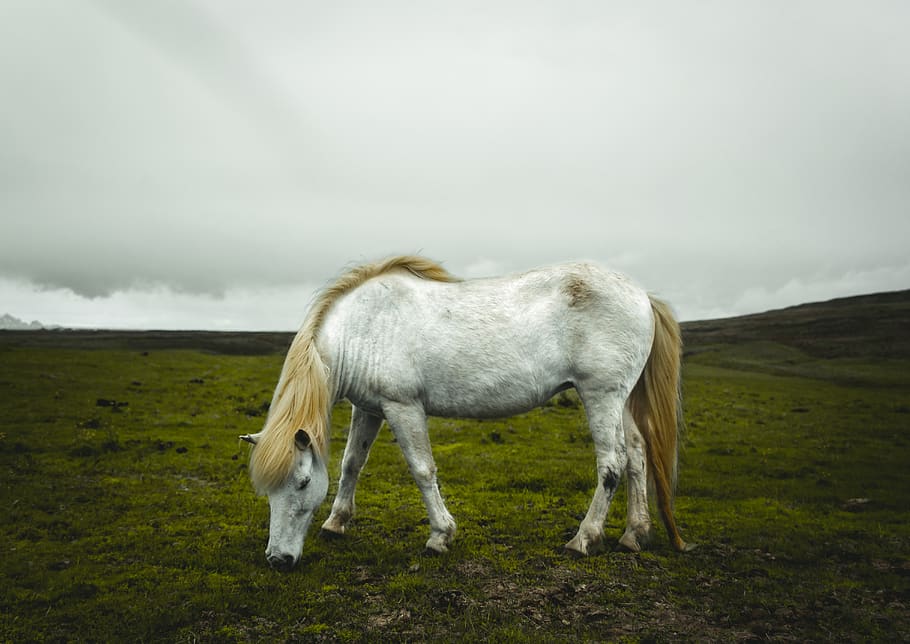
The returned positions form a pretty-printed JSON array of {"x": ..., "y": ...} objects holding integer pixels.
[{"x": 365, "y": 338}]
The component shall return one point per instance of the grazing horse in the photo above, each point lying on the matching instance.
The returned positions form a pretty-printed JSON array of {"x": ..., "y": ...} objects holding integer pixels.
[{"x": 403, "y": 339}]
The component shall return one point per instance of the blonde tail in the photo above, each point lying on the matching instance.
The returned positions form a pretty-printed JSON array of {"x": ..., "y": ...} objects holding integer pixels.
[{"x": 656, "y": 406}]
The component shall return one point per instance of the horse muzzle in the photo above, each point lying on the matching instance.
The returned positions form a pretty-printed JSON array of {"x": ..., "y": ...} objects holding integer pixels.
[{"x": 282, "y": 563}]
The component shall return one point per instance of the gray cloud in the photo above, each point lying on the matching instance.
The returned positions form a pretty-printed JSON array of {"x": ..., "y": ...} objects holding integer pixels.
[{"x": 725, "y": 155}]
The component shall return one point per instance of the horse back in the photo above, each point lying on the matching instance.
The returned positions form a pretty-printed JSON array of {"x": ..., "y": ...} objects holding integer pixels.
[{"x": 486, "y": 347}]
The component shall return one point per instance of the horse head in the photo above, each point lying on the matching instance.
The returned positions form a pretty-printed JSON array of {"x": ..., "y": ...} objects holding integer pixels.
[{"x": 293, "y": 502}]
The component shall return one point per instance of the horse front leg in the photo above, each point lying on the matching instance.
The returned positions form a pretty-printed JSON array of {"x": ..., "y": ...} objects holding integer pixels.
[
  {"x": 638, "y": 517},
  {"x": 604, "y": 413},
  {"x": 364, "y": 428},
  {"x": 409, "y": 423}
]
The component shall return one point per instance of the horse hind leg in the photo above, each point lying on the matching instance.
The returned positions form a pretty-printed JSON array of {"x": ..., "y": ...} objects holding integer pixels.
[
  {"x": 638, "y": 516},
  {"x": 590, "y": 536},
  {"x": 364, "y": 428},
  {"x": 604, "y": 413}
]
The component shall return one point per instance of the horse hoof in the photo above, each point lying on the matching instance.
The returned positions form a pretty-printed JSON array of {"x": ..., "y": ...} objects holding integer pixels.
[
  {"x": 332, "y": 535},
  {"x": 439, "y": 542},
  {"x": 574, "y": 552},
  {"x": 585, "y": 543},
  {"x": 577, "y": 548},
  {"x": 434, "y": 551},
  {"x": 629, "y": 542}
]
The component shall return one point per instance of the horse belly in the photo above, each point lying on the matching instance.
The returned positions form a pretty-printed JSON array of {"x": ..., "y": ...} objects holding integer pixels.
[
  {"x": 489, "y": 388},
  {"x": 470, "y": 404}
]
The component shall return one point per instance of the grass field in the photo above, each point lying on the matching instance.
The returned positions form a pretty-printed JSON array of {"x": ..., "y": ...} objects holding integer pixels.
[{"x": 128, "y": 514}]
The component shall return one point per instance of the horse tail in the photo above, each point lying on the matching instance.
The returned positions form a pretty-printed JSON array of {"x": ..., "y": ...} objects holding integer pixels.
[{"x": 656, "y": 406}]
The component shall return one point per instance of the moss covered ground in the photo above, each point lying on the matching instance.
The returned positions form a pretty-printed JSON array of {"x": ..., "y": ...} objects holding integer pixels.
[{"x": 128, "y": 515}]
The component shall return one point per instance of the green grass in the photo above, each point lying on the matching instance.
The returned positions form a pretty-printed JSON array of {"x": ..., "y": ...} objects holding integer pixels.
[
  {"x": 137, "y": 522},
  {"x": 783, "y": 360}
]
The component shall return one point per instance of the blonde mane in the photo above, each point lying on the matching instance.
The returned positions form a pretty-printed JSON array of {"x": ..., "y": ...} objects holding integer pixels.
[{"x": 303, "y": 398}]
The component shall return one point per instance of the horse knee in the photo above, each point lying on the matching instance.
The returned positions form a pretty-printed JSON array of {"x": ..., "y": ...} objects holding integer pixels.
[
  {"x": 424, "y": 473},
  {"x": 352, "y": 470},
  {"x": 610, "y": 480}
]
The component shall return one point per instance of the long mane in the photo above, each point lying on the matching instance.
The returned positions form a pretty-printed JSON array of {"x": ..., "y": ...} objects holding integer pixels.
[{"x": 303, "y": 397}]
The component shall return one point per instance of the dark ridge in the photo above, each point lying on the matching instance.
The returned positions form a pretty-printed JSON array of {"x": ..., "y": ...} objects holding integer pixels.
[
  {"x": 218, "y": 342},
  {"x": 865, "y": 326}
]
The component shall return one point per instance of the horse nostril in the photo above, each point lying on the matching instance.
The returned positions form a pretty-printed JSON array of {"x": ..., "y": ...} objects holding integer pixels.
[{"x": 281, "y": 562}]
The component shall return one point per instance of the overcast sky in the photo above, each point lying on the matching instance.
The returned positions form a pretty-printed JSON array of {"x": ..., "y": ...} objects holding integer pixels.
[{"x": 210, "y": 163}]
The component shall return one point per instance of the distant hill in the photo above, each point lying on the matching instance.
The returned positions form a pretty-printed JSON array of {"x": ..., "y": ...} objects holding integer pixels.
[
  {"x": 11, "y": 323},
  {"x": 866, "y": 326},
  {"x": 223, "y": 342}
]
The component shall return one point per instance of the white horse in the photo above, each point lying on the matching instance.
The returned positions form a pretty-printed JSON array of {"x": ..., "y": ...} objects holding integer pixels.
[{"x": 403, "y": 340}]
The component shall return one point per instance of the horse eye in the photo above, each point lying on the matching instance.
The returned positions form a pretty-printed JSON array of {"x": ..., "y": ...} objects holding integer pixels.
[{"x": 303, "y": 483}]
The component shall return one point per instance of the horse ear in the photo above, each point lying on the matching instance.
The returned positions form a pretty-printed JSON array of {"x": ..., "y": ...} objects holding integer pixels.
[
  {"x": 252, "y": 439},
  {"x": 302, "y": 439}
]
